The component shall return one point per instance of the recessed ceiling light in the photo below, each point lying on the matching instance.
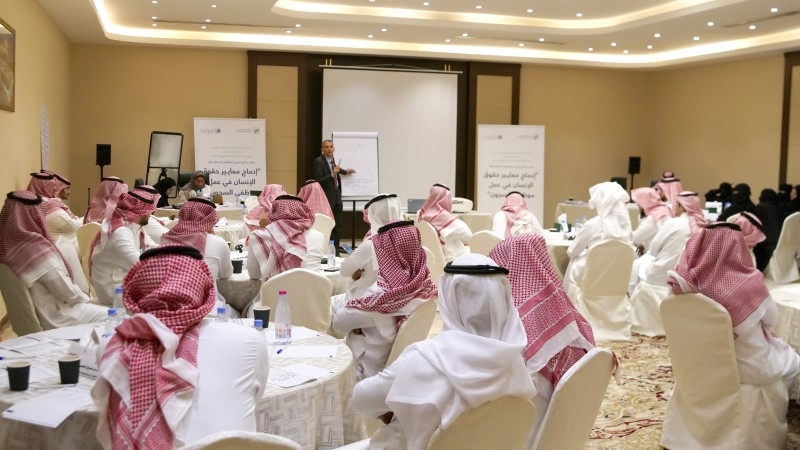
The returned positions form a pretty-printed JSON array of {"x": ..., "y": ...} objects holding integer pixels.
[
  {"x": 155, "y": 2},
  {"x": 541, "y": 39},
  {"x": 773, "y": 10},
  {"x": 591, "y": 49},
  {"x": 288, "y": 31},
  {"x": 154, "y": 17},
  {"x": 155, "y": 24},
  {"x": 370, "y": 36},
  {"x": 297, "y": 25},
  {"x": 464, "y": 34},
  {"x": 752, "y": 27},
  {"x": 372, "y": 1},
  {"x": 213, "y": 5},
  {"x": 447, "y": 40},
  {"x": 425, "y": 3},
  {"x": 613, "y": 44},
  {"x": 710, "y": 23},
  {"x": 649, "y": 47},
  {"x": 521, "y": 44},
  {"x": 696, "y": 38},
  {"x": 529, "y": 10},
  {"x": 625, "y": 51},
  {"x": 478, "y": 7},
  {"x": 579, "y": 15},
  {"x": 657, "y": 35},
  {"x": 384, "y": 30},
  {"x": 208, "y": 20},
  {"x": 203, "y": 27}
]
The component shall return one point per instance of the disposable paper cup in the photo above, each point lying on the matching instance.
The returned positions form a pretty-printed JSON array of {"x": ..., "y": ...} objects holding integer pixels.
[
  {"x": 69, "y": 368},
  {"x": 18, "y": 374},
  {"x": 262, "y": 312},
  {"x": 237, "y": 265}
]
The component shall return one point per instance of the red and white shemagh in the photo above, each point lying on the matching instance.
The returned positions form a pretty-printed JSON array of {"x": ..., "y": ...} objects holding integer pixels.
[
  {"x": 281, "y": 246},
  {"x": 649, "y": 200},
  {"x": 27, "y": 245},
  {"x": 717, "y": 263},
  {"x": 148, "y": 371},
  {"x": 752, "y": 234},
  {"x": 58, "y": 184},
  {"x": 130, "y": 207},
  {"x": 403, "y": 273},
  {"x": 42, "y": 184},
  {"x": 437, "y": 209},
  {"x": 315, "y": 198},
  {"x": 551, "y": 323},
  {"x": 516, "y": 209},
  {"x": 265, "y": 200},
  {"x": 671, "y": 187},
  {"x": 691, "y": 203},
  {"x": 105, "y": 199},
  {"x": 196, "y": 218}
]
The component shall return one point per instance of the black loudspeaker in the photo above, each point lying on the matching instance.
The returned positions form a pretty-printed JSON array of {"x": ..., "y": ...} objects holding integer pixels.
[
  {"x": 622, "y": 181},
  {"x": 633, "y": 165},
  {"x": 103, "y": 155}
]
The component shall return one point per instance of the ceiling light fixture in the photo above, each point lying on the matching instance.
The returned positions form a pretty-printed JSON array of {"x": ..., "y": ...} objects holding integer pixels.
[
  {"x": 710, "y": 23},
  {"x": 447, "y": 40},
  {"x": 370, "y": 36},
  {"x": 155, "y": 24},
  {"x": 773, "y": 10},
  {"x": 752, "y": 27},
  {"x": 154, "y": 17},
  {"x": 425, "y": 3},
  {"x": 625, "y": 51},
  {"x": 297, "y": 25},
  {"x": 541, "y": 39},
  {"x": 155, "y": 2},
  {"x": 213, "y": 5},
  {"x": 649, "y": 47},
  {"x": 464, "y": 34},
  {"x": 478, "y": 7},
  {"x": 288, "y": 31},
  {"x": 384, "y": 30},
  {"x": 521, "y": 44},
  {"x": 203, "y": 27},
  {"x": 696, "y": 38},
  {"x": 613, "y": 44},
  {"x": 208, "y": 20},
  {"x": 657, "y": 35},
  {"x": 591, "y": 49},
  {"x": 579, "y": 15},
  {"x": 529, "y": 11}
]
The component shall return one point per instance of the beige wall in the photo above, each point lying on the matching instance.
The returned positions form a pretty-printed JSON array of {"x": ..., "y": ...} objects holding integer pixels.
[
  {"x": 120, "y": 94},
  {"x": 43, "y": 59}
]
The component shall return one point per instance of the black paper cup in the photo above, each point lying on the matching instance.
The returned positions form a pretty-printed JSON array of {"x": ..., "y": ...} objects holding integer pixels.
[
  {"x": 237, "y": 265},
  {"x": 262, "y": 313},
  {"x": 69, "y": 367},
  {"x": 18, "y": 374}
]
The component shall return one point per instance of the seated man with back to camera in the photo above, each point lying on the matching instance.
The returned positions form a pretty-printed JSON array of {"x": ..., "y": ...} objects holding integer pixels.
[
  {"x": 168, "y": 378},
  {"x": 514, "y": 219},
  {"x": 105, "y": 199},
  {"x": 453, "y": 232}
]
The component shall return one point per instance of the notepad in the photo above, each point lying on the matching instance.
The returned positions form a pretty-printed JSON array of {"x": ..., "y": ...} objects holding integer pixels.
[
  {"x": 50, "y": 409},
  {"x": 294, "y": 375}
]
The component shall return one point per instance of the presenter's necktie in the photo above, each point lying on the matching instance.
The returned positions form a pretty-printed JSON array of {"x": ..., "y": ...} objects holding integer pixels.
[{"x": 335, "y": 178}]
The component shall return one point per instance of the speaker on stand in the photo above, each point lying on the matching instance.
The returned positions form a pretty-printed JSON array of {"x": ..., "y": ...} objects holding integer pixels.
[
  {"x": 634, "y": 163},
  {"x": 103, "y": 157}
]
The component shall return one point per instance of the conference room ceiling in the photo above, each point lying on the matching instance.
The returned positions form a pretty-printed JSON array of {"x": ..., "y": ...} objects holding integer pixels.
[{"x": 598, "y": 33}]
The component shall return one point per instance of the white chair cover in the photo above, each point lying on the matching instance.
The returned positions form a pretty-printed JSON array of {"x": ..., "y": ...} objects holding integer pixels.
[
  {"x": 19, "y": 305},
  {"x": 324, "y": 225},
  {"x": 477, "y": 221},
  {"x": 250, "y": 202},
  {"x": 309, "y": 295},
  {"x": 430, "y": 240},
  {"x": 85, "y": 235},
  {"x": 462, "y": 205},
  {"x": 783, "y": 266},
  {"x": 499, "y": 424},
  {"x": 414, "y": 329},
  {"x": 645, "y": 314},
  {"x": 483, "y": 242},
  {"x": 602, "y": 296},
  {"x": 575, "y": 401},
  {"x": 243, "y": 440},
  {"x": 708, "y": 407}
]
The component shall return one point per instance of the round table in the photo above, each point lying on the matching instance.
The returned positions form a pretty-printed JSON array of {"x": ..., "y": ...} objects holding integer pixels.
[
  {"x": 787, "y": 300},
  {"x": 557, "y": 247}
]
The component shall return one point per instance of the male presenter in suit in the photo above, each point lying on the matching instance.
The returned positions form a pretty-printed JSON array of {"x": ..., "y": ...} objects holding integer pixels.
[{"x": 328, "y": 173}]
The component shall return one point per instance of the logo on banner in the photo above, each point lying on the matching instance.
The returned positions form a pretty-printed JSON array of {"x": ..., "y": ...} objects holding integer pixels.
[
  {"x": 211, "y": 130},
  {"x": 493, "y": 137},
  {"x": 254, "y": 130}
]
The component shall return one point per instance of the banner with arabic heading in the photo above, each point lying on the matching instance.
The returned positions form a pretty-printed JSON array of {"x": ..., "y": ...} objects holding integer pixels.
[
  {"x": 233, "y": 152},
  {"x": 510, "y": 158}
]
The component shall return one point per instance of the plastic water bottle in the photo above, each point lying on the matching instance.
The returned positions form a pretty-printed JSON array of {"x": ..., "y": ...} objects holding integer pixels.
[
  {"x": 331, "y": 254},
  {"x": 118, "y": 304},
  {"x": 111, "y": 322},
  {"x": 283, "y": 320},
  {"x": 222, "y": 315},
  {"x": 258, "y": 324}
]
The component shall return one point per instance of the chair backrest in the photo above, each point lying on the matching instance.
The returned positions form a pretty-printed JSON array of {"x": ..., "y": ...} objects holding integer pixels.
[
  {"x": 430, "y": 239},
  {"x": 430, "y": 261},
  {"x": 324, "y": 225},
  {"x": 576, "y": 399},
  {"x": 86, "y": 234},
  {"x": 503, "y": 423},
  {"x": 309, "y": 295},
  {"x": 414, "y": 329},
  {"x": 608, "y": 269},
  {"x": 19, "y": 305},
  {"x": 782, "y": 266},
  {"x": 483, "y": 242},
  {"x": 478, "y": 221},
  {"x": 243, "y": 440},
  {"x": 462, "y": 205},
  {"x": 700, "y": 342},
  {"x": 250, "y": 202}
]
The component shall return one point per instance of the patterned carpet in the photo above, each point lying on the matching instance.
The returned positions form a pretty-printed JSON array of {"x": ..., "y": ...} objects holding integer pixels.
[{"x": 633, "y": 411}]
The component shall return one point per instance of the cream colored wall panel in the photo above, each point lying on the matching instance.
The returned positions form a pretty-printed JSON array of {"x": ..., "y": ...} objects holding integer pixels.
[
  {"x": 493, "y": 116},
  {"x": 281, "y": 153},
  {"x": 277, "y": 83},
  {"x": 286, "y": 178},
  {"x": 494, "y": 91},
  {"x": 281, "y": 116}
]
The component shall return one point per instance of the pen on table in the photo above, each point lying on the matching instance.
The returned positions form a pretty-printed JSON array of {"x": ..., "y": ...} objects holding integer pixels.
[{"x": 2, "y": 358}]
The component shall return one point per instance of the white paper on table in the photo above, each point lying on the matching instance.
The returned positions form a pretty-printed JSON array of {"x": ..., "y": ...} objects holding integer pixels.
[
  {"x": 42, "y": 347},
  {"x": 306, "y": 351},
  {"x": 50, "y": 409},
  {"x": 298, "y": 333},
  {"x": 294, "y": 375},
  {"x": 73, "y": 333},
  {"x": 23, "y": 341}
]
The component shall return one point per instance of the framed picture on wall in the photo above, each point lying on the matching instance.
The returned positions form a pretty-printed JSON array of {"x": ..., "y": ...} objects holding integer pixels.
[{"x": 7, "y": 51}]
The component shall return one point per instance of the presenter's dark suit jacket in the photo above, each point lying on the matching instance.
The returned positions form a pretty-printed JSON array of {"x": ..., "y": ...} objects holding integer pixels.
[{"x": 323, "y": 174}]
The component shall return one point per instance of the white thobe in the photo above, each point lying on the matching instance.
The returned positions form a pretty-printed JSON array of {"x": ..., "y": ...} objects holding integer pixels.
[
  {"x": 590, "y": 233},
  {"x": 528, "y": 225},
  {"x": 218, "y": 259},
  {"x": 455, "y": 236},
  {"x": 315, "y": 248},
  {"x": 112, "y": 261},
  {"x": 665, "y": 250},
  {"x": 64, "y": 228},
  {"x": 60, "y": 303},
  {"x": 155, "y": 229},
  {"x": 643, "y": 234}
]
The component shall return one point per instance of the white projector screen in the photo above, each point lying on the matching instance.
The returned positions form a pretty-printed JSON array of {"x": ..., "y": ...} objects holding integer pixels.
[{"x": 414, "y": 114}]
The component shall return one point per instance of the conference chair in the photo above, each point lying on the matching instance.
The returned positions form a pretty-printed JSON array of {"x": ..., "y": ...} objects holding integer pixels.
[
  {"x": 575, "y": 402},
  {"x": 324, "y": 225},
  {"x": 462, "y": 205},
  {"x": 477, "y": 221},
  {"x": 483, "y": 242},
  {"x": 430, "y": 262},
  {"x": 414, "y": 329},
  {"x": 503, "y": 423},
  {"x": 19, "y": 305},
  {"x": 783, "y": 265},
  {"x": 309, "y": 295},
  {"x": 243, "y": 440},
  {"x": 602, "y": 295},
  {"x": 250, "y": 202},
  {"x": 85, "y": 235},
  {"x": 645, "y": 315},
  {"x": 430, "y": 239},
  {"x": 709, "y": 408}
]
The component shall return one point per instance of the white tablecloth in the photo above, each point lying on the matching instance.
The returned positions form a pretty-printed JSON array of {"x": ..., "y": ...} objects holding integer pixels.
[
  {"x": 317, "y": 415},
  {"x": 228, "y": 212},
  {"x": 787, "y": 299},
  {"x": 576, "y": 210},
  {"x": 557, "y": 249}
]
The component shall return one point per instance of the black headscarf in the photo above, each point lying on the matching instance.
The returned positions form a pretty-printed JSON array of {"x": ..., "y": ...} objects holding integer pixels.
[{"x": 162, "y": 186}]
